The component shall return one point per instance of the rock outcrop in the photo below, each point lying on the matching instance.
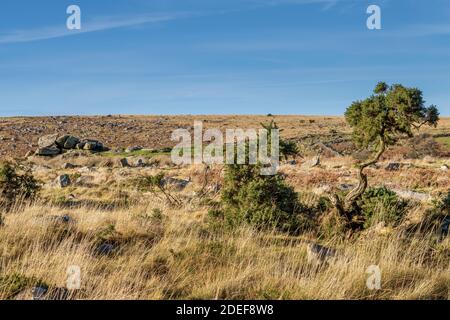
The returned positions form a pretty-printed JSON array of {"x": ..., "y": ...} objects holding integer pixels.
[{"x": 54, "y": 144}]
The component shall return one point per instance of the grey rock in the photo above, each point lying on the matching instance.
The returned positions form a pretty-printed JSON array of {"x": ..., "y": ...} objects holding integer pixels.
[
  {"x": 179, "y": 184},
  {"x": 68, "y": 166},
  {"x": 93, "y": 145},
  {"x": 47, "y": 141},
  {"x": 39, "y": 292},
  {"x": 61, "y": 140},
  {"x": 314, "y": 162},
  {"x": 140, "y": 163},
  {"x": 412, "y": 195},
  {"x": 29, "y": 154},
  {"x": 346, "y": 187},
  {"x": 133, "y": 149},
  {"x": 105, "y": 249},
  {"x": 44, "y": 293},
  {"x": 71, "y": 142},
  {"x": 48, "y": 151},
  {"x": 63, "y": 181},
  {"x": 393, "y": 166},
  {"x": 64, "y": 219},
  {"x": 84, "y": 181},
  {"x": 319, "y": 254},
  {"x": 124, "y": 163}
]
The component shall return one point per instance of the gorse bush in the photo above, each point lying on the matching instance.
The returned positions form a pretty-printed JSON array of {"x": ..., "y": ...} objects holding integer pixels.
[
  {"x": 266, "y": 202},
  {"x": 438, "y": 216},
  {"x": 154, "y": 183},
  {"x": 288, "y": 148},
  {"x": 442, "y": 204},
  {"x": 14, "y": 185},
  {"x": 381, "y": 205}
]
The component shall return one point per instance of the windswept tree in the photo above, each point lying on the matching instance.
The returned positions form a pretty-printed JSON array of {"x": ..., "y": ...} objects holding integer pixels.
[{"x": 391, "y": 113}]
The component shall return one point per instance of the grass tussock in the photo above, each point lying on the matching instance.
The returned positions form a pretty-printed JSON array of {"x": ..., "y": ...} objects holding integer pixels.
[{"x": 167, "y": 253}]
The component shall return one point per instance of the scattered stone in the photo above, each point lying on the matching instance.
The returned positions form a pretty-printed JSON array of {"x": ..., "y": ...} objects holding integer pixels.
[
  {"x": 346, "y": 187},
  {"x": 39, "y": 292},
  {"x": 429, "y": 159},
  {"x": 63, "y": 181},
  {"x": 68, "y": 166},
  {"x": 48, "y": 151},
  {"x": 124, "y": 163},
  {"x": 179, "y": 184},
  {"x": 105, "y": 249},
  {"x": 393, "y": 166},
  {"x": 444, "y": 167},
  {"x": 80, "y": 146},
  {"x": 64, "y": 219},
  {"x": 319, "y": 254},
  {"x": 93, "y": 145},
  {"x": 413, "y": 195},
  {"x": 133, "y": 149},
  {"x": 328, "y": 149},
  {"x": 85, "y": 181},
  {"x": 29, "y": 154},
  {"x": 47, "y": 141},
  {"x": 140, "y": 163},
  {"x": 314, "y": 162},
  {"x": 42, "y": 292}
]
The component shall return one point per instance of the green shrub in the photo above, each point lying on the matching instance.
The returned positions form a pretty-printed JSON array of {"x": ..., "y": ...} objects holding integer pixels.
[
  {"x": 13, "y": 284},
  {"x": 287, "y": 148},
  {"x": 381, "y": 205},
  {"x": 438, "y": 215},
  {"x": 266, "y": 202},
  {"x": 442, "y": 204},
  {"x": 148, "y": 183},
  {"x": 14, "y": 185}
]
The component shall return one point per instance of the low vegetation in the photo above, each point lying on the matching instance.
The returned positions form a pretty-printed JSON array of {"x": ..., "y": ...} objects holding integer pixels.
[{"x": 152, "y": 230}]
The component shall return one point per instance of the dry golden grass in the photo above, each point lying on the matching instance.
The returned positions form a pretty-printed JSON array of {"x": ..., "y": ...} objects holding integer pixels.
[{"x": 177, "y": 256}]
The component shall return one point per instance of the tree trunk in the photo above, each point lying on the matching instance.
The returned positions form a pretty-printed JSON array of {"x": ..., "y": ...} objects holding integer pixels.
[{"x": 344, "y": 207}]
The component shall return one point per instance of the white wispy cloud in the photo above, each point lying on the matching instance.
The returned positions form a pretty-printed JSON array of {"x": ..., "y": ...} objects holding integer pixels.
[
  {"x": 114, "y": 22},
  {"x": 98, "y": 24}
]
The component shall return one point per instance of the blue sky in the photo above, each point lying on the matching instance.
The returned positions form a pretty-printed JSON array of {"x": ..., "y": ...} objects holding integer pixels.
[{"x": 217, "y": 56}]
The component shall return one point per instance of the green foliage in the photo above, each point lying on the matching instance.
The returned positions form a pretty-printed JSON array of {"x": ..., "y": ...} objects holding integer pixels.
[
  {"x": 13, "y": 284},
  {"x": 381, "y": 205},
  {"x": 266, "y": 202},
  {"x": 149, "y": 183},
  {"x": 332, "y": 226},
  {"x": 391, "y": 112},
  {"x": 106, "y": 232},
  {"x": 443, "y": 204},
  {"x": 288, "y": 148},
  {"x": 157, "y": 214},
  {"x": 14, "y": 185}
]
